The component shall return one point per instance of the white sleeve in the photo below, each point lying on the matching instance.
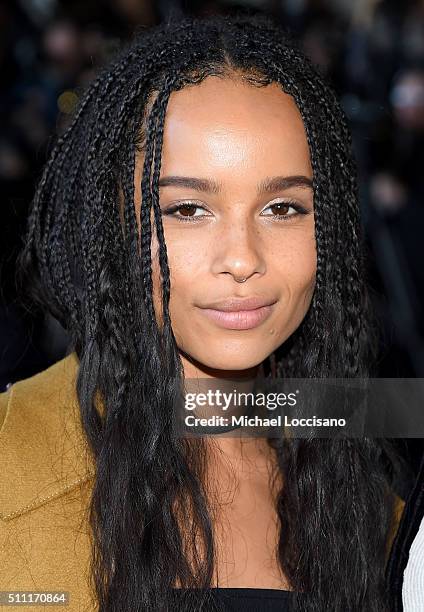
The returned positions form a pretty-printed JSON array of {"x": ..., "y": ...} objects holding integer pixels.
[{"x": 413, "y": 577}]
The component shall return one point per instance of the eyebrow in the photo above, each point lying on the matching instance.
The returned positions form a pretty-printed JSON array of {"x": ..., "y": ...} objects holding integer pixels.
[{"x": 268, "y": 185}]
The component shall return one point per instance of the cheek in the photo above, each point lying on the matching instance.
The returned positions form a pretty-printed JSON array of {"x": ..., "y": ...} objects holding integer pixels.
[
  {"x": 294, "y": 262},
  {"x": 187, "y": 269},
  {"x": 186, "y": 260},
  {"x": 296, "y": 272},
  {"x": 305, "y": 271}
]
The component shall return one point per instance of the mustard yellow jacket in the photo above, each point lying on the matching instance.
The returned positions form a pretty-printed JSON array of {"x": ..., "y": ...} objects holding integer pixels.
[{"x": 46, "y": 477}]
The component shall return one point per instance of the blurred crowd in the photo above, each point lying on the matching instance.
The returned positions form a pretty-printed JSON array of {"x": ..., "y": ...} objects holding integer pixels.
[{"x": 371, "y": 50}]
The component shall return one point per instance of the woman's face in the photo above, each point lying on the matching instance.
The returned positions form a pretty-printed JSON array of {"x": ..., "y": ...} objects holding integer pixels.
[{"x": 230, "y": 153}]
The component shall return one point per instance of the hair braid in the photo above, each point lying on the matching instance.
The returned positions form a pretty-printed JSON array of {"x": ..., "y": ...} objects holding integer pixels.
[{"x": 161, "y": 103}]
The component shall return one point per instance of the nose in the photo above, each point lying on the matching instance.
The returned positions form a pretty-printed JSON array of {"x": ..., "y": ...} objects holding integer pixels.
[{"x": 239, "y": 252}]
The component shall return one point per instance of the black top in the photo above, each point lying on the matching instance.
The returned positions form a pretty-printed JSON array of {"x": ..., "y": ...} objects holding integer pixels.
[{"x": 248, "y": 600}]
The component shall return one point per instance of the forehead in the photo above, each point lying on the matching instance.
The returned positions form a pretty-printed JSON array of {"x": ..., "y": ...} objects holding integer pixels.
[{"x": 225, "y": 124}]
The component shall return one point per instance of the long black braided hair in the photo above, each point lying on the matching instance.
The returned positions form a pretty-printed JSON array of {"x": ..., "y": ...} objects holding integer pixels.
[{"x": 89, "y": 267}]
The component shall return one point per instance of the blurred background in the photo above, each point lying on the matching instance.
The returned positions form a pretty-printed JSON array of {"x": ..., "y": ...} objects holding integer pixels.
[{"x": 372, "y": 51}]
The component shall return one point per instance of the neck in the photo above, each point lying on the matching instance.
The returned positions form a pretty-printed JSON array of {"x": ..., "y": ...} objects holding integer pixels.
[{"x": 201, "y": 379}]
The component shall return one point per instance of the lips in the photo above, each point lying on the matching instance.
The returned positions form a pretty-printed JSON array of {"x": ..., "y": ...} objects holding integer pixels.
[
  {"x": 237, "y": 304},
  {"x": 240, "y": 319}
]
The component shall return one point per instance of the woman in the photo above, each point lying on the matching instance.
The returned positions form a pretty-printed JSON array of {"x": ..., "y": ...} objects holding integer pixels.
[
  {"x": 405, "y": 567},
  {"x": 208, "y": 166}
]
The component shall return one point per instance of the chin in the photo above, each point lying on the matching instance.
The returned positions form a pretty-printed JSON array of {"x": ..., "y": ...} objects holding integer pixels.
[{"x": 234, "y": 364}]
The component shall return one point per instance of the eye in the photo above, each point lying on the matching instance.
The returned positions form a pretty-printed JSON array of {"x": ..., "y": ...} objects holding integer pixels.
[
  {"x": 185, "y": 210},
  {"x": 286, "y": 210}
]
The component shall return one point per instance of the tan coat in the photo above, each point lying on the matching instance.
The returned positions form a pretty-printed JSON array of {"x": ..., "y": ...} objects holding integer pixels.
[{"x": 46, "y": 477}]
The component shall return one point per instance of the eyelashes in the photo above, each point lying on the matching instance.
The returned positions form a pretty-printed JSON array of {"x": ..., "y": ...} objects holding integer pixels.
[{"x": 296, "y": 210}]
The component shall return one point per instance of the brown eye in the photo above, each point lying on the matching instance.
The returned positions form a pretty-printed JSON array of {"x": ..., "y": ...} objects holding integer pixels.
[
  {"x": 185, "y": 209},
  {"x": 280, "y": 208},
  {"x": 283, "y": 211},
  {"x": 182, "y": 212}
]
